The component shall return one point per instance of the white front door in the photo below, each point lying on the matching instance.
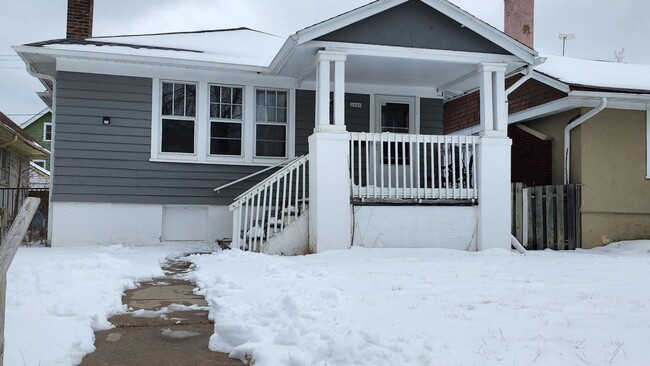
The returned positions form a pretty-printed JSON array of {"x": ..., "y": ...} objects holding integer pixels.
[{"x": 395, "y": 115}]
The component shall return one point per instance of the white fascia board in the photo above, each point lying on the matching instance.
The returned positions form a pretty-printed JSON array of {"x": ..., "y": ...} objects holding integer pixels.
[
  {"x": 355, "y": 49},
  {"x": 173, "y": 73},
  {"x": 40, "y": 169},
  {"x": 509, "y": 44},
  {"x": 583, "y": 99},
  {"x": 345, "y": 19},
  {"x": 149, "y": 60},
  {"x": 285, "y": 53},
  {"x": 35, "y": 118},
  {"x": 543, "y": 110},
  {"x": 554, "y": 83}
]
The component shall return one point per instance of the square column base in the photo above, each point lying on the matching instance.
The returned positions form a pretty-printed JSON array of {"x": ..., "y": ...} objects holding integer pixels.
[{"x": 494, "y": 205}]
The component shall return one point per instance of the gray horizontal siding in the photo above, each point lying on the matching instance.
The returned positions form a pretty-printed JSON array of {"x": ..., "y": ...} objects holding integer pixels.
[
  {"x": 97, "y": 163},
  {"x": 431, "y": 116},
  {"x": 356, "y": 119},
  {"x": 414, "y": 24}
]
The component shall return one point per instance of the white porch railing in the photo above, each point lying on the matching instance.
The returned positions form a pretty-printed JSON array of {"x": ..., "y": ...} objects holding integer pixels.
[
  {"x": 267, "y": 208},
  {"x": 418, "y": 167}
]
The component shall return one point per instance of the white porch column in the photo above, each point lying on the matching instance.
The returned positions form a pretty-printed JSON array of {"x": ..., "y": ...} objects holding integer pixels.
[
  {"x": 324, "y": 59},
  {"x": 330, "y": 215},
  {"x": 494, "y": 206}
]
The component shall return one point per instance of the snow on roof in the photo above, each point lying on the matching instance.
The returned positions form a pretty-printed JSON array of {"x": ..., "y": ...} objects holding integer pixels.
[
  {"x": 240, "y": 46},
  {"x": 598, "y": 74}
]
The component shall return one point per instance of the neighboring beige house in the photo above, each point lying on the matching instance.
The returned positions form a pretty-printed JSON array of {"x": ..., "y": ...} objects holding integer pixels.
[
  {"x": 17, "y": 148},
  {"x": 603, "y": 107}
]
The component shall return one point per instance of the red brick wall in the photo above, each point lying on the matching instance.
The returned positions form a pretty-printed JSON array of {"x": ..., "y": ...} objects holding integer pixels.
[
  {"x": 80, "y": 19},
  {"x": 464, "y": 112},
  {"x": 531, "y": 158}
]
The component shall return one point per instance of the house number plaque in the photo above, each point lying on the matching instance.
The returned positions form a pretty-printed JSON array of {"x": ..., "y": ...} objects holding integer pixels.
[{"x": 356, "y": 105}]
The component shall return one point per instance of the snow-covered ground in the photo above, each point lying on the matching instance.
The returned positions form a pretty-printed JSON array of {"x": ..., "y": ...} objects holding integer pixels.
[
  {"x": 356, "y": 307},
  {"x": 57, "y": 296},
  {"x": 432, "y": 307}
]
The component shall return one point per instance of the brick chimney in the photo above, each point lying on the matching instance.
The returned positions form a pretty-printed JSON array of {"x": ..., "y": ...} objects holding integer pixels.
[
  {"x": 80, "y": 19},
  {"x": 519, "y": 19}
]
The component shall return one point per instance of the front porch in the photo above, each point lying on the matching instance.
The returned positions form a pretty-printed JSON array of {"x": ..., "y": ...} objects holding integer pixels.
[{"x": 383, "y": 172}]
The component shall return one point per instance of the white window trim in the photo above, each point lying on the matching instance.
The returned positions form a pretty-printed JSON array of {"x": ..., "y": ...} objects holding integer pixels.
[
  {"x": 255, "y": 123},
  {"x": 45, "y": 125},
  {"x": 647, "y": 142},
  {"x": 156, "y": 130},
  {"x": 412, "y": 101},
  {"x": 36, "y": 161},
  {"x": 202, "y": 123},
  {"x": 242, "y": 122}
]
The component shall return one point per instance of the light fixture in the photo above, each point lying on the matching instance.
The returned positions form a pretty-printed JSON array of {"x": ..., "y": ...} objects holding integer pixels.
[{"x": 106, "y": 120}]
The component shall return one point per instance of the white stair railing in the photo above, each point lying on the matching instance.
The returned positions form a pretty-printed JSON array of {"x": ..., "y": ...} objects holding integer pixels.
[
  {"x": 389, "y": 166},
  {"x": 267, "y": 208}
]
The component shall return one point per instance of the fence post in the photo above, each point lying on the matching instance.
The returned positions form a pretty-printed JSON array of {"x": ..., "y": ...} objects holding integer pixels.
[
  {"x": 8, "y": 251},
  {"x": 518, "y": 201},
  {"x": 550, "y": 216},
  {"x": 559, "y": 191}
]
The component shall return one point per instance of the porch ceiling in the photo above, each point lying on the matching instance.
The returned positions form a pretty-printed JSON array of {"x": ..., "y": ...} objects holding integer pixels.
[{"x": 405, "y": 71}]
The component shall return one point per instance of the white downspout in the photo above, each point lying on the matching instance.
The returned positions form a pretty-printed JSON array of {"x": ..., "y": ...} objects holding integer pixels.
[
  {"x": 567, "y": 136},
  {"x": 50, "y": 208}
]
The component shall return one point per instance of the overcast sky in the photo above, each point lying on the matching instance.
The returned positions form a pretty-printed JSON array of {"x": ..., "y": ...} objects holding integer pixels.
[{"x": 600, "y": 28}]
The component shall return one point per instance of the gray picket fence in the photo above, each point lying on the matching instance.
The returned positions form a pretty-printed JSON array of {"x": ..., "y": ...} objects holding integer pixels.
[{"x": 547, "y": 217}]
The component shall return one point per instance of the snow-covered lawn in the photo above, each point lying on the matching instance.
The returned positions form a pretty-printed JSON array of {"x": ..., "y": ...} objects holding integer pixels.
[
  {"x": 432, "y": 307},
  {"x": 56, "y": 297}
]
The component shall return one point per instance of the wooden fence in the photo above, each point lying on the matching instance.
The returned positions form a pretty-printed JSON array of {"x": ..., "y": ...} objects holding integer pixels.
[
  {"x": 547, "y": 216},
  {"x": 8, "y": 248}
]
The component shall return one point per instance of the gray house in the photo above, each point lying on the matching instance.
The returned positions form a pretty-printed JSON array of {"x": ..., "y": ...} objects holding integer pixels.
[{"x": 146, "y": 127}]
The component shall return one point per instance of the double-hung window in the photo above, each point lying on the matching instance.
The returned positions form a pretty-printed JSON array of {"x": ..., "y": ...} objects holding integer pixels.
[
  {"x": 47, "y": 131},
  {"x": 226, "y": 122},
  {"x": 271, "y": 123},
  {"x": 178, "y": 118}
]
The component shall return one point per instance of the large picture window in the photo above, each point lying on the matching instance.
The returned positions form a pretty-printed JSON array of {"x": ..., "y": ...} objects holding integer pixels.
[
  {"x": 226, "y": 122},
  {"x": 271, "y": 123},
  {"x": 178, "y": 117}
]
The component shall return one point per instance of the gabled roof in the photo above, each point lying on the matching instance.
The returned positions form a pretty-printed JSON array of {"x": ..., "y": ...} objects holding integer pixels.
[
  {"x": 447, "y": 8},
  {"x": 35, "y": 118},
  {"x": 602, "y": 75}
]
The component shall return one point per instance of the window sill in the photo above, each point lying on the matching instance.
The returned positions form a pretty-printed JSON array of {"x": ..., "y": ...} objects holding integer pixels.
[{"x": 215, "y": 161}]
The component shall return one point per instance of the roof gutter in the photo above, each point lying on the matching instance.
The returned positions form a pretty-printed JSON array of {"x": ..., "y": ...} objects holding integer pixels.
[
  {"x": 13, "y": 141},
  {"x": 567, "y": 136}
]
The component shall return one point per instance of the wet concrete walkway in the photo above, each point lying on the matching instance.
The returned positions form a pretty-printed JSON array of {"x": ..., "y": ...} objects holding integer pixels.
[{"x": 167, "y": 324}]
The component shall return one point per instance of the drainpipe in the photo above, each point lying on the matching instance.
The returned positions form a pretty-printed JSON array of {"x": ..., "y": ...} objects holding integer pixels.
[
  {"x": 567, "y": 136},
  {"x": 50, "y": 208}
]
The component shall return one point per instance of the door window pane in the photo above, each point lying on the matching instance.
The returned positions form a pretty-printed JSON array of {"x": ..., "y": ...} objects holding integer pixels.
[{"x": 395, "y": 118}]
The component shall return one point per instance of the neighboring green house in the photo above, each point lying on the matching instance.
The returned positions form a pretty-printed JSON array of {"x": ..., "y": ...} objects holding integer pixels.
[{"x": 40, "y": 128}]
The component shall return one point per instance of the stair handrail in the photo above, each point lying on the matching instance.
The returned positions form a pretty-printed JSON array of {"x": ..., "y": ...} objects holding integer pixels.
[
  {"x": 292, "y": 164},
  {"x": 255, "y": 174}
]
